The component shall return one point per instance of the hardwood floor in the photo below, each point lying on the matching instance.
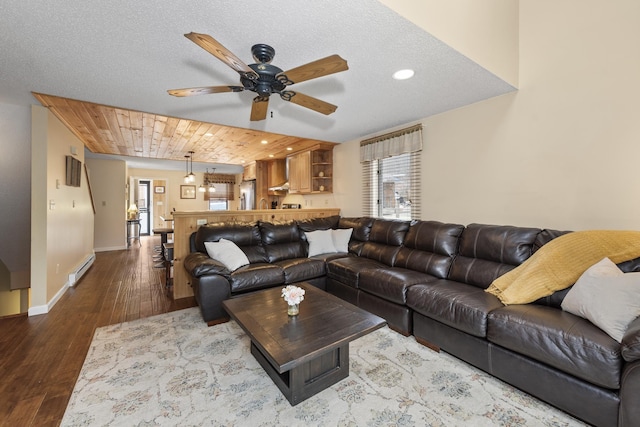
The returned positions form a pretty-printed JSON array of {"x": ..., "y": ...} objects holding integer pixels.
[{"x": 41, "y": 356}]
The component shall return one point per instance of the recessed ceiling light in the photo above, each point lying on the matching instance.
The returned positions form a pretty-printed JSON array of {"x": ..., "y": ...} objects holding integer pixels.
[
  {"x": 289, "y": 149},
  {"x": 264, "y": 141},
  {"x": 270, "y": 155},
  {"x": 403, "y": 74},
  {"x": 208, "y": 134}
]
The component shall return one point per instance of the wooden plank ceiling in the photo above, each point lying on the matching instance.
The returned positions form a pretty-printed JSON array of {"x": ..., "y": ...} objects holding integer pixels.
[{"x": 111, "y": 130}]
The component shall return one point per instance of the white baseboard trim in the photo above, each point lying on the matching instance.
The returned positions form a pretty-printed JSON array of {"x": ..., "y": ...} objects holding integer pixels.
[
  {"x": 110, "y": 248},
  {"x": 44, "y": 309},
  {"x": 82, "y": 268}
]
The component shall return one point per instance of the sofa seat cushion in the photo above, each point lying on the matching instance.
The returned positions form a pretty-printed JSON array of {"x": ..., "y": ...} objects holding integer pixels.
[
  {"x": 301, "y": 269},
  {"x": 559, "y": 339},
  {"x": 347, "y": 270},
  {"x": 255, "y": 276},
  {"x": 391, "y": 283},
  {"x": 461, "y": 306}
]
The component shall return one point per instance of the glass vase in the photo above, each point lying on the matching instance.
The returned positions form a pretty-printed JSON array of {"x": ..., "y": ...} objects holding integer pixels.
[{"x": 293, "y": 309}]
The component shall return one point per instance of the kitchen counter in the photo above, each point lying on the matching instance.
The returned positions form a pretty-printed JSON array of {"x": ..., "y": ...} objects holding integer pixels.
[{"x": 186, "y": 222}]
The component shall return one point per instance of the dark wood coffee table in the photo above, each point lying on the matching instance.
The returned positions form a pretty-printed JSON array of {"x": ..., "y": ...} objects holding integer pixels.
[{"x": 307, "y": 353}]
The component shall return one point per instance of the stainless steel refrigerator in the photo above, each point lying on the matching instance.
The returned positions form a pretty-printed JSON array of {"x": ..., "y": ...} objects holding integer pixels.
[{"x": 248, "y": 195}]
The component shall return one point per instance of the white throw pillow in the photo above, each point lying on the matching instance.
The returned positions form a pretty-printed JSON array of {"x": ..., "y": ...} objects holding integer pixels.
[
  {"x": 607, "y": 297},
  {"x": 228, "y": 253},
  {"x": 320, "y": 242},
  {"x": 341, "y": 238}
]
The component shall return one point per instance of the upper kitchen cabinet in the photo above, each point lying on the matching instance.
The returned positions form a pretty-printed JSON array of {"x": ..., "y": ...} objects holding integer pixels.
[
  {"x": 311, "y": 171},
  {"x": 249, "y": 172}
]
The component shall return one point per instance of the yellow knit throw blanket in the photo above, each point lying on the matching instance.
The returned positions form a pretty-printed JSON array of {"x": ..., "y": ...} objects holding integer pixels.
[{"x": 558, "y": 264}]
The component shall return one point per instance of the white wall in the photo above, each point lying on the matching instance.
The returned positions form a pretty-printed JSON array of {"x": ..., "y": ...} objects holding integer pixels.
[{"x": 559, "y": 153}]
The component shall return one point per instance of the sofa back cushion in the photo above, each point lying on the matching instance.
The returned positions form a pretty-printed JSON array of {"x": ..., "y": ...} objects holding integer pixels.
[
  {"x": 429, "y": 247},
  {"x": 245, "y": 235},
  {"x": 385, "y": 240},
  {"x": 486, "y": 252},
  {"x": 315, "y": 224},
  {"x": 282, "y": 240},
  {"x": 361, "y": 231}
]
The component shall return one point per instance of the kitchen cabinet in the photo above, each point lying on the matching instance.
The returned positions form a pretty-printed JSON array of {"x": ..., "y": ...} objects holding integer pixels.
[
  {"x": 249, "y": 172},
  {"x": 277, "y": 172},
  {"x": 300, "y": 172},
  {"x": 311, "y": 171}
]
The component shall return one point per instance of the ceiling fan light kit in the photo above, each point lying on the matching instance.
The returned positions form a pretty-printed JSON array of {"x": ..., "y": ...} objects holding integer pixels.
[{"x": 265, "y": 79}]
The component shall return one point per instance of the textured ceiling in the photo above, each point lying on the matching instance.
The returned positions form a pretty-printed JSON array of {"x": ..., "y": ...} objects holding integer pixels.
[{"x": 128, "y": 54}]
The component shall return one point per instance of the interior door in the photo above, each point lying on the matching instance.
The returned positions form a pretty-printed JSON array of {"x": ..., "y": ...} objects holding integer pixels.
[{"x": 144, "y": 194}]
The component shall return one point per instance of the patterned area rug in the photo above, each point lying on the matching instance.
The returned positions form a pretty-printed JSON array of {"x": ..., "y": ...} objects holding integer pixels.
[{"x": 174, "y": 370}]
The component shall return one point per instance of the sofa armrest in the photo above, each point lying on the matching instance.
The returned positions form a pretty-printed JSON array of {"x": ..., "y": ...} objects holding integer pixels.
[
  {"x": 630, "y": 346},
  {"x": 198, "y": 264}
]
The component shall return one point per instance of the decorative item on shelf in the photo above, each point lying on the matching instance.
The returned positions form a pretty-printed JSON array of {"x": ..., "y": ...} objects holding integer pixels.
[
  {"x": 206, "y": 184},
  {"x": 293, "y": 295},
  {"x": 322, "y": 188},
  {"x": 320, "y": 174}
]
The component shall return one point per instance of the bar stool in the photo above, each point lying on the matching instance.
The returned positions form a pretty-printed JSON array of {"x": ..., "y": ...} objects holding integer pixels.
[{"x": 163, "y": 232}]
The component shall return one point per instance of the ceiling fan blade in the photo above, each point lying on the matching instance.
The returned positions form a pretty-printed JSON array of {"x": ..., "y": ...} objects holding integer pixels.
[
  {"x": 214, "y": 47},
  {"x": 259, "y": 108},
  {"x": 204, "y": 90},
  {"x": 310, "y": 102},
  {"x": 312, "y": 70}
]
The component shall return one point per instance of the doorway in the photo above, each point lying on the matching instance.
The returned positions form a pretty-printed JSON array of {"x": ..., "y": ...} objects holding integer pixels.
[{"x": 144, "y": 203}]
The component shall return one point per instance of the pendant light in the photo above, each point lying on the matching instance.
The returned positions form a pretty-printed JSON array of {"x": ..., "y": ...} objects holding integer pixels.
[
  {"x": 212, "y": 188},
  {"x": 192, "y": 177},
  {"x": 206, "y": 184},
  {"x": 186, "y": 176},
  {"x": 203, "y": 188}
]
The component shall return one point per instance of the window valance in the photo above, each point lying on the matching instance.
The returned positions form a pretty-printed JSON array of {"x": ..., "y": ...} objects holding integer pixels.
[
  {"x": 219, "y": 178},
  {"x": 406, "y": 140}
]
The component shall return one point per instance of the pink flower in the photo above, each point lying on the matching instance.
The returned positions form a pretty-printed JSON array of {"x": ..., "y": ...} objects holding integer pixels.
[{"x": 293, "y": 294}]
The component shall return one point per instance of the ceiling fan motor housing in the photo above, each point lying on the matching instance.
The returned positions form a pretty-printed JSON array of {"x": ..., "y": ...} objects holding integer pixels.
[{"x": 266, "y": 83}]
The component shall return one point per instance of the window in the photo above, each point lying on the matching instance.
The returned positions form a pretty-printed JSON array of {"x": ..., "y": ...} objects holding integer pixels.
[
  {"x": 392, "y": 187},
  {"x": 218, "y": 190},
  {"x": 391, "y": 167},
  {"x": 218, "y": 204}
]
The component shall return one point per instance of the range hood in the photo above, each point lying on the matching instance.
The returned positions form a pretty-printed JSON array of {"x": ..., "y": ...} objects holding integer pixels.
[{"x": 282, "y": 187}]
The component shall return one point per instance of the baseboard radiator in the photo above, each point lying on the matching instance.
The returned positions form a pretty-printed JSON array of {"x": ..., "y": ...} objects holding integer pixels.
[{"x": 75, "y": 275}]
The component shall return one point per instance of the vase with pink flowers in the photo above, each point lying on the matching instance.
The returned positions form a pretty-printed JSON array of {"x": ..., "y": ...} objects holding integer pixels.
[{"x": 293, "y": 295}]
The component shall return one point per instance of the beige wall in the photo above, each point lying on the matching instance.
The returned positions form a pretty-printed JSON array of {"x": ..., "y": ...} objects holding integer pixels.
[
  {"x": 174, "y": 179},
  {"x": 108, "y": 186},
  {"x": 61, "y": 213},
  {"x": 485, "y": 31},
  {"x": 559, "y": 153}
]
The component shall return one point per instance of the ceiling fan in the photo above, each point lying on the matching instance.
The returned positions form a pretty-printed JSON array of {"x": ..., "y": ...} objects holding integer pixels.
[{"x": 264, "y": 78}]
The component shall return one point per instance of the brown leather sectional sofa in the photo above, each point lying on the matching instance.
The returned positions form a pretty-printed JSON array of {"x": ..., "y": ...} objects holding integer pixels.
[{"x": 427, "y": 279}]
